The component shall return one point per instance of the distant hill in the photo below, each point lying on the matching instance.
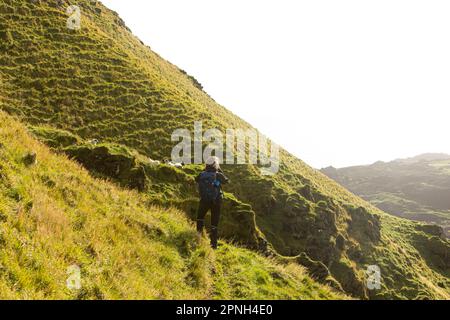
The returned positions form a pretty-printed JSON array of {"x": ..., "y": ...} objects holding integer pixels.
[
  {"x": 425, "y": 157},
  {"x": 101, "y": 82},
  {"x": 415, "y": 188}
]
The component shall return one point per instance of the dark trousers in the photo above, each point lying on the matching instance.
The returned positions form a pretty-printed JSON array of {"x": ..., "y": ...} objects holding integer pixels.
[{"x": 203, "y": 208}]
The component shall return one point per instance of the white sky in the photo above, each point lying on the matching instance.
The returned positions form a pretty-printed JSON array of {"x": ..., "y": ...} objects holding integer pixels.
[{"x": 334, "y": 82}]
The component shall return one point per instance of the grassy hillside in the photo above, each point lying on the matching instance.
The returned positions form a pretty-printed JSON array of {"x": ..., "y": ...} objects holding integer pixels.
[
  {"x": 415, "y": 188},
  {"x": 53, "y": 214},
  {"x": 102, "y": 82}
]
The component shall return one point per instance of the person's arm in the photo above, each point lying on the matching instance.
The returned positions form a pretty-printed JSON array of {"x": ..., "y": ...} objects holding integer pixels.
[{"x": 222, "y": 178}]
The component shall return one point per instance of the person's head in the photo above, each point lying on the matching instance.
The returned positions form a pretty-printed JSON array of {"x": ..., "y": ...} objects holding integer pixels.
[{"x": 213, "y": 163}]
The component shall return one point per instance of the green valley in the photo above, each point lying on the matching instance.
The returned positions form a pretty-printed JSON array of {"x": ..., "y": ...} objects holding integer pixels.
[{"x": 417, "y": 188}]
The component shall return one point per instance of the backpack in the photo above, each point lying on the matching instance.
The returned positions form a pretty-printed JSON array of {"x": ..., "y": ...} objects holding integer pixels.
[{"x": 209, "y": 186}]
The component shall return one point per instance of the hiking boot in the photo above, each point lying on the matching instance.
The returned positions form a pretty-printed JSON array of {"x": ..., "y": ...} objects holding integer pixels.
[
  {"x": 214, "y": 236},
  {"x": 200, "y": 225}
]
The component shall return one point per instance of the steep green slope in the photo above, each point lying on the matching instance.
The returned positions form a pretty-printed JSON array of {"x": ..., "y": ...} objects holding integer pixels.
[
  {"x": 101, "y": 82},
  {"x": 54, "y": 215},
  {"x": 417, "y": 188}
]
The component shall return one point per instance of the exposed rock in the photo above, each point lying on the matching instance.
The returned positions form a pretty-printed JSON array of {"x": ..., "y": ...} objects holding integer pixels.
[
  {"x": 105, "y": 161},
  {"x": 30, "y": 158},
  {"x": 318, "y": 271},
  {"x": 432, "y": 229}
]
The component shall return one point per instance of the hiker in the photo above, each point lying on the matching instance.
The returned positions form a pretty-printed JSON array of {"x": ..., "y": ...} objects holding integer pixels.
[{"x": 209, "y": 185}]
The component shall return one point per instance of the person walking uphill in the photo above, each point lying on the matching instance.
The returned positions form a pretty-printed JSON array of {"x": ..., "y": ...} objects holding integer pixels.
[{"x": 209, "y": 186}]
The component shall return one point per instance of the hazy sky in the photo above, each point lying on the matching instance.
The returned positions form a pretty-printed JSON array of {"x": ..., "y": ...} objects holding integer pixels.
[{"x": 334, "y": 82}]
